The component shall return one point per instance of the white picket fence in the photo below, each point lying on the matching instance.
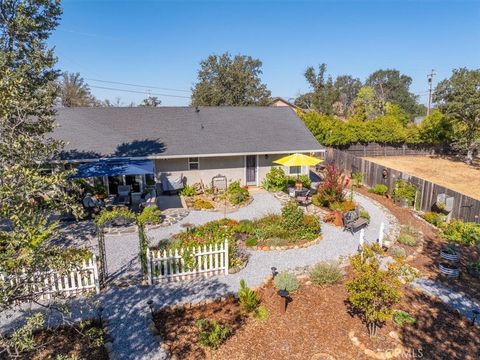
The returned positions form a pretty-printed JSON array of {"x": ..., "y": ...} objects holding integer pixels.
[
  {"x": 202, "y": 261},
  {"x": 48, "y": 284}
]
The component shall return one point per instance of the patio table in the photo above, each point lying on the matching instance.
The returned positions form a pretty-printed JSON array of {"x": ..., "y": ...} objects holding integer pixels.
[{"x": 294, "y": 192}]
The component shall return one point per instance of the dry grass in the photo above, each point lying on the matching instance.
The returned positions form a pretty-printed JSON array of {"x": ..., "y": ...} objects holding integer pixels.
[{"x": 452, "y": 174}]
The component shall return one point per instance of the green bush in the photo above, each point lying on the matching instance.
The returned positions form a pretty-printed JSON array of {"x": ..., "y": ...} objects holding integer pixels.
[
  {"x": 407, "y": 239},
  {"x": 286, "y": 281},
  {"x": 326, "y": 273},
  {"x": 251, "y": 241},
  {"x": 245, "y": 227},
  {"x": 304, "y": 179},
  {"x": 357, "y": 178},
  {"x": 247, "y": 298},
  {"x": 343, "y": 206},
  {"x": 237, "y": 194},
  {"x": 211, "y": 333},
  {"x": 150, "y": 215},
  {"x": 433, "y": 218},
  {"x": 364, "y": 214},
  {"x": 465, "y": 233},
  {"x": 292, "y": 215},
  {"x": 188, "y": 191},
  {"x": 275, "y": 180},
  {"x": 379, "y": 189},
  {"x": 200, "y": 204},
  {"x": 404, "y": 190},
  {"x": 397, "y": 252},
  {"x": 402, "y": 318},
  {"x": 261, "y": 313}
]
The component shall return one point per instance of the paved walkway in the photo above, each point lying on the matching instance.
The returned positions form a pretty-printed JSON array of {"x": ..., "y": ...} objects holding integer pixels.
[
  {"x": 126, "y": 309},
  {"x": 455, "y": 300}
]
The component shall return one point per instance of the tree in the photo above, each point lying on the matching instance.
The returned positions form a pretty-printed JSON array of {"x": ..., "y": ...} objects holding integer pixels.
[
  {"x": 347, "y": 88},
  {"x": 373, "y": 291},
  {"x": 392, "y": 86},
  {"x": 366, "y": 105},
  {"x": 224, "y": 80},
  {"x": 28, "y": 193},
  {"x": 323, "y": 93},
  {"x": 74, "y": 92},
  {"x": 436, "y": 129},
  {"x": 459, "y": 99},
  {"x": 151, "y": 101}
]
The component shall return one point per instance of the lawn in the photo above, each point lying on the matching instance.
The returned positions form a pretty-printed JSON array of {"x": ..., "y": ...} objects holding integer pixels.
[{"x": 452, "y": 174}]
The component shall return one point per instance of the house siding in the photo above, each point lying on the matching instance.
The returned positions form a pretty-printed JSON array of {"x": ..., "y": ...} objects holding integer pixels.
[{"x": 233, "y": 167}]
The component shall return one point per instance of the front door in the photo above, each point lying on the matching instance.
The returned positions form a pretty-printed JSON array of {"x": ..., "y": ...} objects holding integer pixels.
[{"x": 251, "y": 169}]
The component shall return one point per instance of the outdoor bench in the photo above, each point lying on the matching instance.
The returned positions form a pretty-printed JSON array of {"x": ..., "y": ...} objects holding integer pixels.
[{"x": 353, "y": 222}]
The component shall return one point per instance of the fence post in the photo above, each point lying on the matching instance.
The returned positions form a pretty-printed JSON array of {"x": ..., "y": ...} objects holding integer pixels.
[
  {"x": 149, "y": 268},
  {"x": 95, "y": 274},
  {"x": 226, "y": 256}
]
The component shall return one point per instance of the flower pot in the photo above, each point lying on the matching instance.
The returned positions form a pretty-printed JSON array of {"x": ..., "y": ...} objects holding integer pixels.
[
  {"x": 448, "y": 254},
  {"x": 449, "y": 270},
  {"x": 338, "y": 218},
  {"x": 298, "y": 185}
]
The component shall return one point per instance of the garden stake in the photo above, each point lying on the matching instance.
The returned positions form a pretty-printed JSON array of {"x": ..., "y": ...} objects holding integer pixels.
[
  {"x": 380, "y": 234},
  {"x": 475, "y": 313},
  {"x": 150, "y": 303},
  {"x": 283, "y": 303}
]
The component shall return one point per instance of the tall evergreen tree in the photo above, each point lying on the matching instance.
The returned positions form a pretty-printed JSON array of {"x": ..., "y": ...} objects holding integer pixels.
[
  {"x": 28, "y": 193},
  {"x": 74, "y": 92}
]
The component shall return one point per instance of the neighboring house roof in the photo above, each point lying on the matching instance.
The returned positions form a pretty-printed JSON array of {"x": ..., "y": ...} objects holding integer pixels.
[
  {"x": 279, "y": 101},
  {"x": 169, "y": 132}
]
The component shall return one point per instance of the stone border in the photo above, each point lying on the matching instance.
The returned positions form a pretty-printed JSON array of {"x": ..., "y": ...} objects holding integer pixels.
[
  {"x": 286, "y": 247},
  {"x": 214, "y": 210},
  {"x": 381, "y": 355}
]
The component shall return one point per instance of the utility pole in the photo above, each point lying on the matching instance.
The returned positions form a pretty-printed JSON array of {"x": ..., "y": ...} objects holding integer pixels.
[{"x": 430, "y": 78}]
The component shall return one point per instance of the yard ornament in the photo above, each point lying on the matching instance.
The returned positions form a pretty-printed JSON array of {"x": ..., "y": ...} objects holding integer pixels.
[{"x": 381, "y": 234}]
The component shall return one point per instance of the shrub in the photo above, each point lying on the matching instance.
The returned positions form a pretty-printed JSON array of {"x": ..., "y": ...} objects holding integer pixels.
[
  {"x": 326, "y": 273},
  {"x": 402, "y": 318},
  {"x": 247, "y": 298},
  {"x": 311, "y": 223},
  {"x": 407, "y": 239},
  {"x": 304, "y": 179},
  {"x": 286, "y": 281},
  {"x": 261, "y": 313},
  {"x": 331, "y": 189},
  {"x": 379, "y": 189},
  {"x": 357, "y": 178},
  {"x": 373, "y": 291},
  {"x": 404, "y": 190},
  {"x": 364, "y": 214},
  {"x": 275, "y": 179},
  {"x": 251, "y": 241},
  {"x": 292, "y": 216},
  {"x": 150, "y": 215},
  {"x": 188, "y": 191},
  {"x": 211, "y": 333},
  {"x": 465, "y": 233},
  {"x": 245, "y": 227},
  {"x": 397, "y": 251},
  {"x": 433, "y": 218},
  {"x": 343, "y": 206},
  {"x": 236, "y": 194},
  {"x": 200, "y": 204}
]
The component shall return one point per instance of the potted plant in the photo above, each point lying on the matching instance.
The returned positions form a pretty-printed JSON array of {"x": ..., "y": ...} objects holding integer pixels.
[
  {"x": 449, "y": 269},
  {"x": 100, "y": 191}
]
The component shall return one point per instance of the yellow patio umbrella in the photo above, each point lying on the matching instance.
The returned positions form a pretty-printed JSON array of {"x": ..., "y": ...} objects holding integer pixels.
[{"x": 298, "y": 160}]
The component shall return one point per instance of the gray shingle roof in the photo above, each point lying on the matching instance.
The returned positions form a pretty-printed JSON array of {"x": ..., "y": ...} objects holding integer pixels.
[{"x": 180, "y": 131}]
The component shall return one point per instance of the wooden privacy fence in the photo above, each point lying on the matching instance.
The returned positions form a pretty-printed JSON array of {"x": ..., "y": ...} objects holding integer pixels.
[
  {"x": 464, "y": 207},
  {"x": 184, "y": 264},
  {"x": 376, "y": 149},
  {"x": 50, "y": 283}
]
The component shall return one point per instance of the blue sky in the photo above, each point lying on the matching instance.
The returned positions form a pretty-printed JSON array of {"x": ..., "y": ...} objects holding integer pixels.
[{"x": 160, "y": 44}]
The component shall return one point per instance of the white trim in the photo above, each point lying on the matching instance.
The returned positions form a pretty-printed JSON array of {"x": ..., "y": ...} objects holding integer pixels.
[{"x": 165, "y": 157}]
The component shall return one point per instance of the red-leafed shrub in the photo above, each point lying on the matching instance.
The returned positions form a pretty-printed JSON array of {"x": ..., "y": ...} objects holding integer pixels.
[{"x": 331, "y": 189}]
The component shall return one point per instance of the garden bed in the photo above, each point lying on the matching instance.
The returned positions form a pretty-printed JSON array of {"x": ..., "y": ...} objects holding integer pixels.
[
  {"x": 317, "y": 325},
  {"x": 66, "y": 341}
]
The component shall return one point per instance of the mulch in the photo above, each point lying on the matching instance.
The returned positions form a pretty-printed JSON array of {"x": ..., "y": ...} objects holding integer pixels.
[
  {"x": 66, "y": 341},
  {"x": 427, "y": 261},
  {"x": 316, "y": 326}
]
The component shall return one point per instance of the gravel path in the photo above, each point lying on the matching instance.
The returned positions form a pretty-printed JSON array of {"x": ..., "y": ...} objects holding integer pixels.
[
  {"x": 127, "y": 313},
  {"x": 455, "y": 300}
]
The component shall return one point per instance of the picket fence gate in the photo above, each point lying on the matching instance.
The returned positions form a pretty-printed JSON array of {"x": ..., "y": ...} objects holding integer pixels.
[
  {"x": 186, "y": 264},
  {"x": 51, "y": 283}
]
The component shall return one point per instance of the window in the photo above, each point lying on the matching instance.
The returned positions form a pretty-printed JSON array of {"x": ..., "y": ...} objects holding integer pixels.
[
  {"x": 295, "y": 170},
  {"x": 193, "y": 163}
]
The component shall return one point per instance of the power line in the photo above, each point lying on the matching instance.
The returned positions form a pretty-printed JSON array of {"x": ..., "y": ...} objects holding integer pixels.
[
  {"x": 138, "y": 92},
  {"x": 136, "y": 85}
]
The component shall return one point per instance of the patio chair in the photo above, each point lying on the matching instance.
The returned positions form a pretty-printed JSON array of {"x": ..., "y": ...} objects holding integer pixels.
[
  {"x": 123, "y": 194},
  {"x": 304, "y": 199}
]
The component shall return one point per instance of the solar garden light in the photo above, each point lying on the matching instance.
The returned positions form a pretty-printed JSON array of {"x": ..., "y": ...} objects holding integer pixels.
[
  {"x": 150, "y": 305},
  {"x": 100, "y": 313},
  {"x": 274, "y": 271},
  {"x": 475, "y": 314},
  {"x": 284, "y": 298}
]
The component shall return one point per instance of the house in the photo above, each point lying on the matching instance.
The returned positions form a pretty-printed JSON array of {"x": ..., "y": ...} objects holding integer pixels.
[
  {"x": 144, "y": 144},
  {"x": 278, "y": 101}
]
